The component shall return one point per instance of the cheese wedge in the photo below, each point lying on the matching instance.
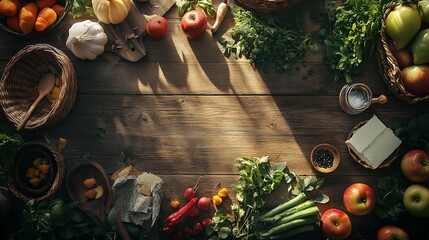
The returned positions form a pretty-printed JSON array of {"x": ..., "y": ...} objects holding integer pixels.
[{"x": 373, "y": 142}]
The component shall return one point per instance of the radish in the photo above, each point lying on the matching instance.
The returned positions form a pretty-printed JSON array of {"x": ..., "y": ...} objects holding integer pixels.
[
  {"x": 206, "y": 221},
  {"x": 193, "y": 213},
  {"x": 197, "y": 228},
  {"x": 190, "y": 192},
  {"x": 204, "y": 204}
]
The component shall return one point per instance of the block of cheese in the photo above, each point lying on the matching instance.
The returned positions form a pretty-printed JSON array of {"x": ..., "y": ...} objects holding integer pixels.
[{"x": 373, "y": 142}]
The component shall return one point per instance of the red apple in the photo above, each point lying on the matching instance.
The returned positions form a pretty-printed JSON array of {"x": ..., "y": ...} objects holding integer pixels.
[
  {"x": 415, "y": 165},
  {"x": 390, "y": 232},
  {"x": 336, "y": 224},
  {"x": 416, "y": 79},
  {"x": 359, "y": 199},
  {"x": 193, "y": 23},
  {"x": 404, "y": 57}
]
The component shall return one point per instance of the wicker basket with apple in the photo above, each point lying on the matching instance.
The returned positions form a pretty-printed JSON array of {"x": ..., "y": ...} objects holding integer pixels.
[{"x": 403, "y": 56}]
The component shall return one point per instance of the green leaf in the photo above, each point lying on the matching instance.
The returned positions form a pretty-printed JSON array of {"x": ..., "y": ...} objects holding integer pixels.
[
  {"x": 224, "y": 232},
  {"x": 111, "y": 218},
  {"x": 322, "y": 198},
  {"x": 412, "y": 124},
  {"x": 101, "y": 132}
]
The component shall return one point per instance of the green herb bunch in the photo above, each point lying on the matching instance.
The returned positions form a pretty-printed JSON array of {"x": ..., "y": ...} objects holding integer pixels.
[
  {"x": 389, "y": 205},
  {"x": 267, "y": 40},
  {"x": 350, "y": 33},
  {"x": 80, "y": 7},
  {"x": 414, "y": 133},
  {"x": 9, "y": 145},
  {"x": 56, "y": 219},
  {"x": 257, "y": 180}
]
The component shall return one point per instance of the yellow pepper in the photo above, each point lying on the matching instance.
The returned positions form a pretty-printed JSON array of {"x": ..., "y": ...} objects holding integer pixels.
[
  {"x": 174, "y": 203},
  {"x": 223, "y": 192},
  {"x": 217, "y": 200}
]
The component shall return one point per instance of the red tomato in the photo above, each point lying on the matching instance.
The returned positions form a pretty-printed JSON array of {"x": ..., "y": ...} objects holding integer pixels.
[{"x": 157, "y": 27}]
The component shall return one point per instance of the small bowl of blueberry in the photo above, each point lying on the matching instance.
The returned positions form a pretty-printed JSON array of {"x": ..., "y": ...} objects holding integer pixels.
[{"x": 325, "y": 158}]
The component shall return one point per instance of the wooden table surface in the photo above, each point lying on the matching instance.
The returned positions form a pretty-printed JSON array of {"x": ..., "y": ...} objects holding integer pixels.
[{"x": 185, "y": 111}]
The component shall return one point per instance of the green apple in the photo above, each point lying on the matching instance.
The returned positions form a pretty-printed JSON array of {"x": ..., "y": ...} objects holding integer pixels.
[
  {"x": 416, "y": 200},
  {"x": 420, "y": 47},
  {"x": 424, "y": 10},
  {"x": 402, "y": 23}
]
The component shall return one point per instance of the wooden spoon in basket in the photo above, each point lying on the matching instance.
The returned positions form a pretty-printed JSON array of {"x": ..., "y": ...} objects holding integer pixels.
[{"x": 46, "y": 84}]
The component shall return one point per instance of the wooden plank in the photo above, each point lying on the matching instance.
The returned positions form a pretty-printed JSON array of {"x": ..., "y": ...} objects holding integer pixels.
[{"x": 206, "y": 133}]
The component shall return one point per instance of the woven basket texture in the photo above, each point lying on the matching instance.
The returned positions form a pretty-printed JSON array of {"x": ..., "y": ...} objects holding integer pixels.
[
  {"x": 22, "y": 75},
  {"x": 389, "y": 67},
  {"x": 15, "y": 188},
  {"x": 269, "y": 6}
]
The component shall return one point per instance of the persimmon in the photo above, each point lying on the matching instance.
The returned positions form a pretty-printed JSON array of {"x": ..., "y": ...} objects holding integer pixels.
[
  {"x": 27, "y": 17},
  {"x": 13, "y": 23},
  {"x": 46, "y": 18},
  {"x": 41, "y": 4},
  {"x": 9, "y": 7}
]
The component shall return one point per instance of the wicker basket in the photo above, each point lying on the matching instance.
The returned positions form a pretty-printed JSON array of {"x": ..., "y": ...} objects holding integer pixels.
[
  {"x": 22, "y": 75},
  {"x": 269, "y": 6},
  {"x": 389, "y": 67},
  {"x": 15, "y": 181}
]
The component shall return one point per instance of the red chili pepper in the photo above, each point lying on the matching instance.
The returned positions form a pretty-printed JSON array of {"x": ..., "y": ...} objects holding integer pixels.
[{"x": 178, "y": 216}]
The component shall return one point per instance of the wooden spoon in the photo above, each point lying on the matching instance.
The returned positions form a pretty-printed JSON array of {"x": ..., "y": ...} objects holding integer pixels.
[
  {"x": 46, "y": 84},
  {"x": 97, "y": 207}
]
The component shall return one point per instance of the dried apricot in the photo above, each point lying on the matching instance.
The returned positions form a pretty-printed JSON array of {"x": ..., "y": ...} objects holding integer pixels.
[
  {"x": 100, "y": 192},
  {"x": 91, "y": 193},
  {"x": 90, "y": 183},
  {"x": 35, "y": 181}
]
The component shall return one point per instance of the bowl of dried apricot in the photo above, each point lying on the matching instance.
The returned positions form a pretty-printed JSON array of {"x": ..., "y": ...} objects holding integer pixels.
[
  {"x": 31, "y": 18},
  {"x": 37, "y": 172}
]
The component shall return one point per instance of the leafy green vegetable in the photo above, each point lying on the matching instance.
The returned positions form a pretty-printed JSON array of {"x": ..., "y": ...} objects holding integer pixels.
[
  {"x": 9, "y": 145},
  {"x": 220, "y": 226},
  {"x": 350, "y": 33},
  {"x": 415, "y": 133},
  {"x": 56, "y": 219},
  {"x": 101, "y": 132},
  {"x": 267, "y": 39},
  {"x": 80, "y": 7},
  {"x": 390, "y": 204},
  {"x": 257, "y": 180}
]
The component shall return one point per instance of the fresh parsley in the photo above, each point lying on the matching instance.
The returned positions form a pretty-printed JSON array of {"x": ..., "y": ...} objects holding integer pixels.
[
  {"x": 389, "y": 205},
  {"x": 9, "y": 144},
  {"x": 414, "y": 133},
  {"x": 350, "y": 33},
  {"x": 268, "y": 40}
]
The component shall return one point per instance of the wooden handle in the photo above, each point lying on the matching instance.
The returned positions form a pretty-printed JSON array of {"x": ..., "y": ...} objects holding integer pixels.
[
  {"x": 29, "y": 112},
  {"x": 382, "y": 99}
]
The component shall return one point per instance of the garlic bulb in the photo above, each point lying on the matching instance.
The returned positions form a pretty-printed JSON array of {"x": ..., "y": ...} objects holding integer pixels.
[{"x": 86, "y": 39}]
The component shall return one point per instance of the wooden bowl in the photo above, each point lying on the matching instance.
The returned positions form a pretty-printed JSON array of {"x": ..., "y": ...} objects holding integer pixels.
[
  {"x": 76, "y": 189},
  {"x": 355, "y": 157},
  {"x": 333, "y": 150},
  {"x": 27, "y": 153},
  {"x": 4, "y": 27}
]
